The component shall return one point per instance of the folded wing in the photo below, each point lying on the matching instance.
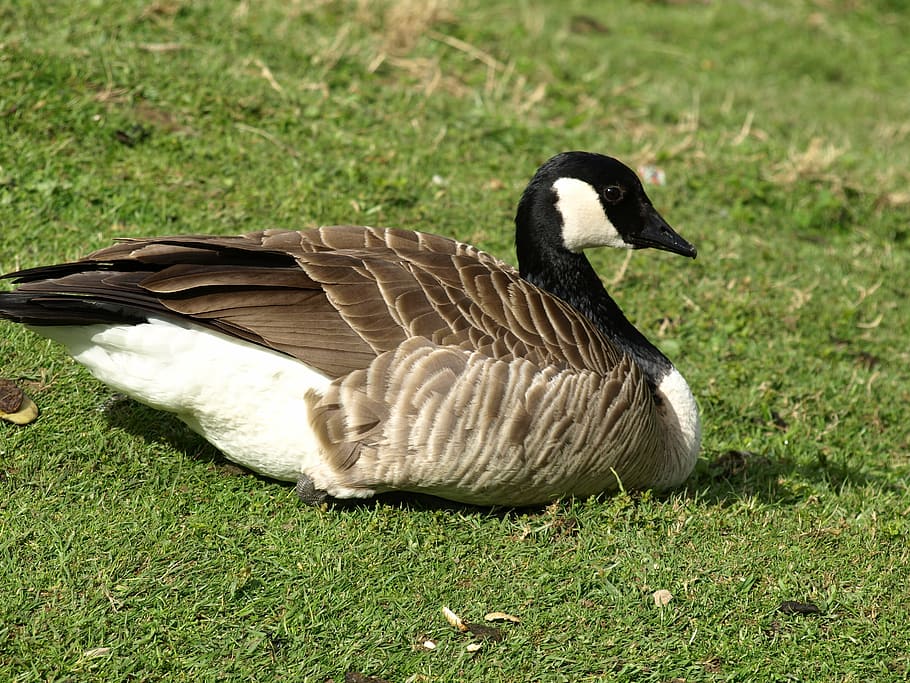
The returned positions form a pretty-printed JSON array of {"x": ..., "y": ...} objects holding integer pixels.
[{"x": 333, "y": 297}]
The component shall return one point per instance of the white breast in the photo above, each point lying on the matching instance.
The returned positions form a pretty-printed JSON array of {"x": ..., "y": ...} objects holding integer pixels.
[{"x": 680, "y": 413}]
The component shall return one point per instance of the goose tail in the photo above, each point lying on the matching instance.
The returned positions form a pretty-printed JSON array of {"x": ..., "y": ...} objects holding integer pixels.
[
  {"x": 43, "y": 309},
  {"x": 74, "y": 294}
]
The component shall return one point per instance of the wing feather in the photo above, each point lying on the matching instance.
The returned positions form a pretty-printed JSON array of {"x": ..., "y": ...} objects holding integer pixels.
[{"x": 334, "y": 297}]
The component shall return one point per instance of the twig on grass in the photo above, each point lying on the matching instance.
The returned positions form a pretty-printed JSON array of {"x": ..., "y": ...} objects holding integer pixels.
[
  {"x": 468, "y": 49},
  {"x": 159, "y": 48},
  {"x": 621, "y": 273},
  {"x": 266, "y": 73},
  {"x": 744, "y": 131}
]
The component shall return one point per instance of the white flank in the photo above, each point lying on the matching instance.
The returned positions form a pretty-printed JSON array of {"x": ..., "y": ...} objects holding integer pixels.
[
  {"x": 683, "y": 411},
  {"x": 246, "y": 400},
  {"x": 584, "y": 221}
]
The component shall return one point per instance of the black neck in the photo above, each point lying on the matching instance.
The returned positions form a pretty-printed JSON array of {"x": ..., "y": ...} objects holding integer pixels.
[{"x": 544, "y": 262}]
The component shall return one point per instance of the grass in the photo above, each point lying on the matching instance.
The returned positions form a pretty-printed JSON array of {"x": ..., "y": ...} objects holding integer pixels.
[{"x": 130, "y": 551}]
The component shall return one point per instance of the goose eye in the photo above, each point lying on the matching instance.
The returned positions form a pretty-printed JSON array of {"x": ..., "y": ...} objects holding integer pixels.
[{"x": 613, "y": 193}]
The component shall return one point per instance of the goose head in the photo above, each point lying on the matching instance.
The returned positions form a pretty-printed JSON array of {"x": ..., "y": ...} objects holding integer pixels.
[{"x": 579, "y": 200}]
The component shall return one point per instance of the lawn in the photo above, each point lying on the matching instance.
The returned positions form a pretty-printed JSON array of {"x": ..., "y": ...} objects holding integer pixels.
[{"x": 130, "y": 551}]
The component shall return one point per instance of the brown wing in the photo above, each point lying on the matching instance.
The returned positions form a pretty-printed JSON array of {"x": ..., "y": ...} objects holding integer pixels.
[{"x": 334, "y": 297}]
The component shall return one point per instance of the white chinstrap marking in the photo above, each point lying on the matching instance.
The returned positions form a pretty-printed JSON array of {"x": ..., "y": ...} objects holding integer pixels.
[
  {"x": 585, "y": 223},
  {"x": 246, "y": 400}
]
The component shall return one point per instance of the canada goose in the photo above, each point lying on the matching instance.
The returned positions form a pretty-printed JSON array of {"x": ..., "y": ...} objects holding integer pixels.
[{"x": 357, "y": 360}]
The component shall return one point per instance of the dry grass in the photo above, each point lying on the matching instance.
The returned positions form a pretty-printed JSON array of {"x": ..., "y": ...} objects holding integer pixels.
[
  {"x": 816, "y": 163},
  {"x": 404, "y": 22}
]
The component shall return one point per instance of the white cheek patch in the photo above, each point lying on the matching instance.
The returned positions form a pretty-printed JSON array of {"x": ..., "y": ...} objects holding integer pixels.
[{"x": 584, "y": 222}]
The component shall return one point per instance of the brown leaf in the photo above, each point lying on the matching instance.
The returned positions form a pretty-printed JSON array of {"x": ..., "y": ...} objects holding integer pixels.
[
  {"x": 479, "y": 630},
  {"x": 454, "y": 619},
  {"x": 802, "y": 608},
  {"x": 15, "y": 406},
  {"x": 662, "y": 597},
  {"x": 11, "y": 396},
  {"x": 484, "y": 632}
]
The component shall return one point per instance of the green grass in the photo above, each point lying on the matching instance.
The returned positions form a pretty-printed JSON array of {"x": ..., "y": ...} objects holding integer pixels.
[{"x": 130, "y": 551}]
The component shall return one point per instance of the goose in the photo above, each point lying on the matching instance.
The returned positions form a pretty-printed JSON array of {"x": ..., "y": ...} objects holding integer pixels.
[{"x": 359, "y": 360}]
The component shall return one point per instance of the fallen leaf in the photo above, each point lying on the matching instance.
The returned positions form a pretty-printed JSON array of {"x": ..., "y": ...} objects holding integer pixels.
[
  {"x": 662, "y": 597},
  {"x": 160, "y": 47},
  {"x": 10, "y": 396},
  {"x": 474, "y": 647},
  {"x": 15, "y": 406},
  {"x": 479, "y": 630},
  {"x": 454, "y": 619},
  {"x": 484, "y": 632},
  {"x": 794, "y": 607},
  {"x": 501, "y": 616},
  {"x": 96, "y": 652},
  {"x": 892, "y": 199}
]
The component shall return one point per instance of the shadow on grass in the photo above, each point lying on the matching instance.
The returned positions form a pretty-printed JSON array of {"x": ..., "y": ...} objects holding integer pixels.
[
  {"x": 733, "y": 475},
  {"x": 160, "y": 427},
  {"x": 719, "y": 479},
  {"x": 157, "y": 426}
]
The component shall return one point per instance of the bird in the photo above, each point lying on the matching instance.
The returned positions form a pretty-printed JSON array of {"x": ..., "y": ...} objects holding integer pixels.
[{"x": 357, "y": 360}]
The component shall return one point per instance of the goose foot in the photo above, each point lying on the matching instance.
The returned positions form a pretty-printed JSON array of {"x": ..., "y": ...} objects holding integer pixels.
[{"x": 307, "y": 491}]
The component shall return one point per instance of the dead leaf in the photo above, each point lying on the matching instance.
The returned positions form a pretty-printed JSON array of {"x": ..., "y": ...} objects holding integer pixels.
[
  {"x": 893, "y": 199},
  {"x": 662, "y": 597},
  {"x": 795, "y": 607},
  {"x": 160, "y": 47},
  {"x": 11, "y": 396},
  {"x": 479, "y": 630},
  {"x": 96, "y": 652},
  {"x": 15, "y": 406},
  {"x": 501, "y": 616},
  {"x": 732, "y": 463},
  {"x": 453, "y": 619},
  {"x": 484, "y": 632}
]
